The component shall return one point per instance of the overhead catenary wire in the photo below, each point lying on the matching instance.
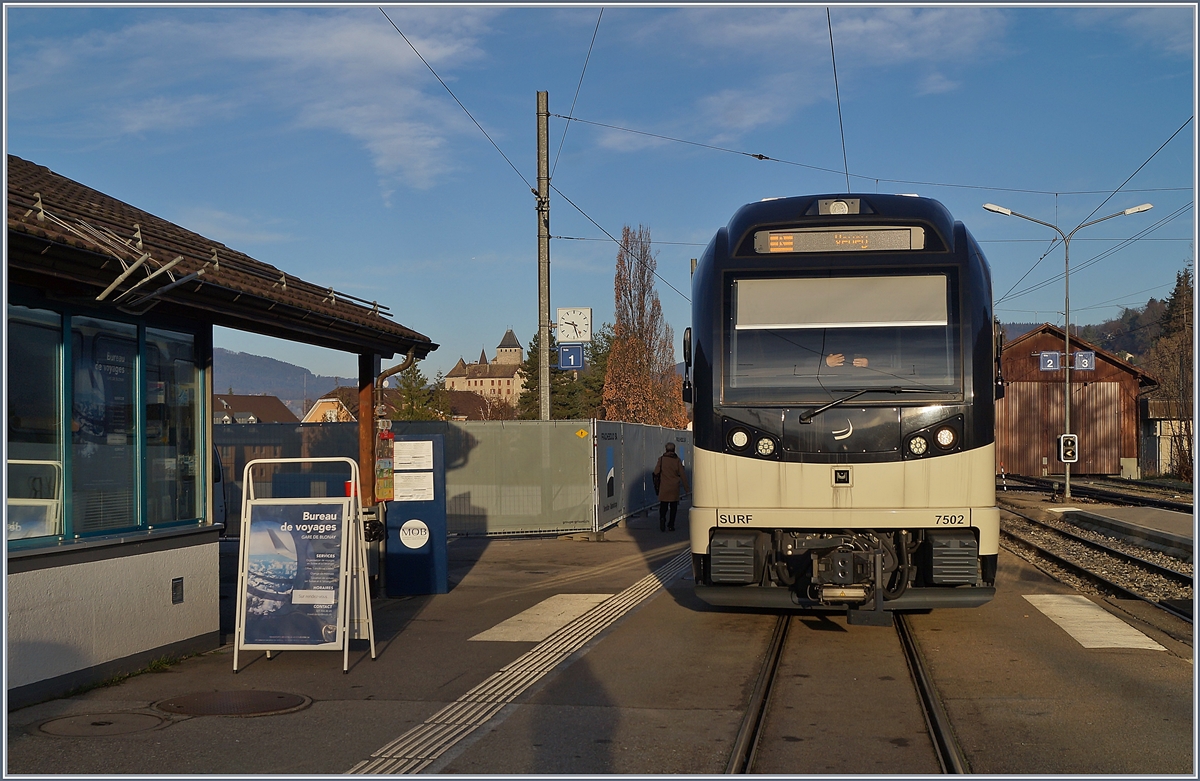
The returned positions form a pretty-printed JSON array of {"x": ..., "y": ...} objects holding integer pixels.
[
  {"x": 1092, "y": 261},
  {"x": 459, "y": 102},
  {"x": 1057, "y": 239},
  {"x": 618, "y": 242},
  {"x": 578, "y": 87},
  {"x": 510, "y": 163},
  {"x": 837, "y": 94},
  {"x": 781, "y": 161}
]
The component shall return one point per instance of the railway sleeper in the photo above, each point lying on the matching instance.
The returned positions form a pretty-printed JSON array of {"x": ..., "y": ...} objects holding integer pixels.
[{"x": 860, "y": 571}]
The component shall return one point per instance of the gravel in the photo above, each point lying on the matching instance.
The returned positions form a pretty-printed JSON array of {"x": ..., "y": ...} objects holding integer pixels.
[{"x": 1128, "y": 575}]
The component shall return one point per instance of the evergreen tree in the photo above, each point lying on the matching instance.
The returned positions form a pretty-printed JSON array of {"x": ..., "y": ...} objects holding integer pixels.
[
  {"x": 414, "y": 399},
  {"x": 562, "y": 391}
]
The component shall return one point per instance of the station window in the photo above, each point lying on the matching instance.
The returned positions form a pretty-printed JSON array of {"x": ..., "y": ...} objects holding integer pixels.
[
  {"x": 35, "y": 471},
  {"x": 172, "y": 427},
  {"x": 117, "y": 444},
  {"x": 103, "y": 444}
]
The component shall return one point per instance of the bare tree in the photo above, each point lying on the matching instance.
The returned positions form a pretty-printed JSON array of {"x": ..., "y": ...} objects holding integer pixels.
[{"x": 640, "y": 383}]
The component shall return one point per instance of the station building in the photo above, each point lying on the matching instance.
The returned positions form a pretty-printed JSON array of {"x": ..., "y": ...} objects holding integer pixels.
[
  {"x": 1105, "y": 409},
  {"x": 112, "y": 539}
]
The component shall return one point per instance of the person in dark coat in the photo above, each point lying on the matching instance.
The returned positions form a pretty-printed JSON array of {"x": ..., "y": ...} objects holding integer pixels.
[{"x": 668, "y": 477}]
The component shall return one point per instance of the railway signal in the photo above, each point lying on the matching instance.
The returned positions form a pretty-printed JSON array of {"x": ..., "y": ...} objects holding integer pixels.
[{"x": 1068, "y": 448}]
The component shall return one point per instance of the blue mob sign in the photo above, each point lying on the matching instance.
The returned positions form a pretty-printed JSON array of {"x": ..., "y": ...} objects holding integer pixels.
[{"x": 570, "y": 356}]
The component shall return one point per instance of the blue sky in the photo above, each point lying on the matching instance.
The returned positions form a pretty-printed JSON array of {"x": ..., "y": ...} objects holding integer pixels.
[{"x": 314, "y": 139}]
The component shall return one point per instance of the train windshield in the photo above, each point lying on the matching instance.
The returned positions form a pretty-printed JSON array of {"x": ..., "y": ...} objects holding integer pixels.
[{"x": 803, "y": 338}]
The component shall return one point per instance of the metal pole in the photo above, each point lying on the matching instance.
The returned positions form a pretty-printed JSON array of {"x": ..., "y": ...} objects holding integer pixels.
[
  {"x": 543, "y": 207},
  {"x": 1066, "y": 237},
  {"x": 1067, "y": 358}
]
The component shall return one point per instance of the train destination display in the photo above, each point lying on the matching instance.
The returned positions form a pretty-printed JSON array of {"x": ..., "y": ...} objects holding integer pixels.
[{"x": 848, "y": 239}]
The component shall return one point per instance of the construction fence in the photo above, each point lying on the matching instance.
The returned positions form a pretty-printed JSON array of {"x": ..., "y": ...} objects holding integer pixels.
[{"x": 502, "y": 477}]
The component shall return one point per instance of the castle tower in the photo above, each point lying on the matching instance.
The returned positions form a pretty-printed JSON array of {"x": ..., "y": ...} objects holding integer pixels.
[{"x": 509, "y": 350}]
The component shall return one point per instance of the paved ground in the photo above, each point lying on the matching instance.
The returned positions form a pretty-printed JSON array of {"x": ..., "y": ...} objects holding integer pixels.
[{"x": 660, "y": 688}]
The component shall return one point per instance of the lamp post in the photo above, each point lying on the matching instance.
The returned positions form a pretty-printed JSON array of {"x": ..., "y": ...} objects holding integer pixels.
[{"x": 1066, "y": 237}]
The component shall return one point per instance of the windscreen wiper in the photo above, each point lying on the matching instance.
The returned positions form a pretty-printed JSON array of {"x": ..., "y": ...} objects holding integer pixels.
[{"x": 808, "y": 416}]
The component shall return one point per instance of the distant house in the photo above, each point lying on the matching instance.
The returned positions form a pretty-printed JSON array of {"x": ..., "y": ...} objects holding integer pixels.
[
  {"x": 340, "y": 405},
  {"x": 1165, "y": 426},
  {"x": 233, "y": 408},
  {"x": 1104, "y": 409},
  {"x": 465, "y": 405},
  {"x": 500, "y": 379}
]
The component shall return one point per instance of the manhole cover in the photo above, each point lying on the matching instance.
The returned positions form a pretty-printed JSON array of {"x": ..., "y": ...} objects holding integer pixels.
[
  {"x": 100, "y": 724},
  {"x": 238, "y": 703}
]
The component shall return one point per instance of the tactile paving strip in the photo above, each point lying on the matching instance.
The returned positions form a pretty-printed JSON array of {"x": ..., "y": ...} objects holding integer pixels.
[
  {"x": 234, "y": 703},
  {"x": 418, "y": 748}
]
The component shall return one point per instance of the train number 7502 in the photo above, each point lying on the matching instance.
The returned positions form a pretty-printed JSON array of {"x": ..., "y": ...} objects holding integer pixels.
[{"x": 949, "y": 520}]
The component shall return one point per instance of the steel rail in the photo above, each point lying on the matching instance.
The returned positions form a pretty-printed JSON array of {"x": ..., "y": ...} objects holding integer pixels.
[
  {"x": 1096, "y": 579},
  {"x": 1092, "y": 492},
  {"x": 745, "y": 745},
  {"x": 945, "y": 744},
  {"x": 1174, "y": 575}
]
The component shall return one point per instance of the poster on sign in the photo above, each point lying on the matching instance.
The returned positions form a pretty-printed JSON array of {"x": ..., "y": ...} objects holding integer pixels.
[{"x": 294, "y": 560}]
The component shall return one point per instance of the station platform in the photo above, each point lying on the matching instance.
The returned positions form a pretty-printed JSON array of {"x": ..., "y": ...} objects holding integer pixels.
[
  {"x": 1167, "y": 531},
  {"x": 1164, "y": 530},
  {"x": 299, "y": 714}
]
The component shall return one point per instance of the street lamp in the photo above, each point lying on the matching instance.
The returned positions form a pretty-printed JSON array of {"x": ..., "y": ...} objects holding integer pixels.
[{"x": 1066, "y": 237}]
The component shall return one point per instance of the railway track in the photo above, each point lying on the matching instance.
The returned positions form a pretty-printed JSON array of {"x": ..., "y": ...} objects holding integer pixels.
[
  {"x": 1089, "y": 491},
  {"x": 945, "y": 745},
  {"x": 1161, "y": 570},
  {"x": 1181, "y": 608}
]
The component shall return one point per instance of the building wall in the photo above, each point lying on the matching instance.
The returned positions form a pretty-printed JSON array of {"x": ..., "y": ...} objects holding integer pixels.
[
  {"x": 325, "y": 407},
  {"x": 1104, "y": 412},
  {"x": 75, "y": 618}
]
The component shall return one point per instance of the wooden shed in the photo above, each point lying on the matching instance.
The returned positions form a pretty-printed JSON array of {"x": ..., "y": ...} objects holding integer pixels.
[{"x": 1104, "y": 408}]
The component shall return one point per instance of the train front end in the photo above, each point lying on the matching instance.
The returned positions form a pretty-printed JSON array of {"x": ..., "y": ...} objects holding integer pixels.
[{"x": 844, "y": 366}]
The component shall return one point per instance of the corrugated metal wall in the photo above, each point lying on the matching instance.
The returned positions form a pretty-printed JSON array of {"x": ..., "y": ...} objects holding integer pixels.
[{"x": 1030, "y": 417}]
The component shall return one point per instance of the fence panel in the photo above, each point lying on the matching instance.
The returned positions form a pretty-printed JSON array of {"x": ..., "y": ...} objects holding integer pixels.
[{"x": 502, "y": 477}]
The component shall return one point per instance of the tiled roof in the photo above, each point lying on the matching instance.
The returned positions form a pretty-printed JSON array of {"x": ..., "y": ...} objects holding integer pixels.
[
  {"x": 265, "y": 409},
  {"x": 487, "y": 371},
  {"x": 509, "y": 340},
  {"x": 1144, "y": 379},
  {"x": 60, "y": 229},
  {"x": 464, "y": 404},
  {"x": 391, "y": 398}
]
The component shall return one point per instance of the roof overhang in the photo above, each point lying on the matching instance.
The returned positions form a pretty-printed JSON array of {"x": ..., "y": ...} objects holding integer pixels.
[{"x": 77, "y": 244}]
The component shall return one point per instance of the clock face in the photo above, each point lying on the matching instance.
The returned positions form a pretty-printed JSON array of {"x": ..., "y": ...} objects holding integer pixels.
[{"x": 574, "y": 325}]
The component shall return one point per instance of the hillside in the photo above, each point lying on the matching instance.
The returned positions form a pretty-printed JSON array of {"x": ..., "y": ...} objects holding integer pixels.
[{"x": 235, "y": 372}]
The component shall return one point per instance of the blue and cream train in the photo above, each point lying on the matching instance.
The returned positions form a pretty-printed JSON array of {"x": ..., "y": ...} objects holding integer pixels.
[{"x": 843, "y": 366}]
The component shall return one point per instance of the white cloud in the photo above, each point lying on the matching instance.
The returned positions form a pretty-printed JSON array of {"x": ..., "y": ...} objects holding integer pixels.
[
  {"x": 232, "y": 230},
  {"x": 794, "y": 43},
  {"x": 1162, "y": 30},
  {"x": 345, "y": 70},
  {"x": 935, "y": 84}
]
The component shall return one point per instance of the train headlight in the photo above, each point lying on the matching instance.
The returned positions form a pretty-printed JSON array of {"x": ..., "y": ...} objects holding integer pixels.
[
  {"x": 739, "y": 438},
  {"x": 765, "y": 446},
  {"x": 918, "y": 445},
  {"x": 946, "y": 437}
]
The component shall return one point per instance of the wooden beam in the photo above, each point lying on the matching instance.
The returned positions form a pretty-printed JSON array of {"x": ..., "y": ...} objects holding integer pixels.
[{"x": 368, "y": 370}]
